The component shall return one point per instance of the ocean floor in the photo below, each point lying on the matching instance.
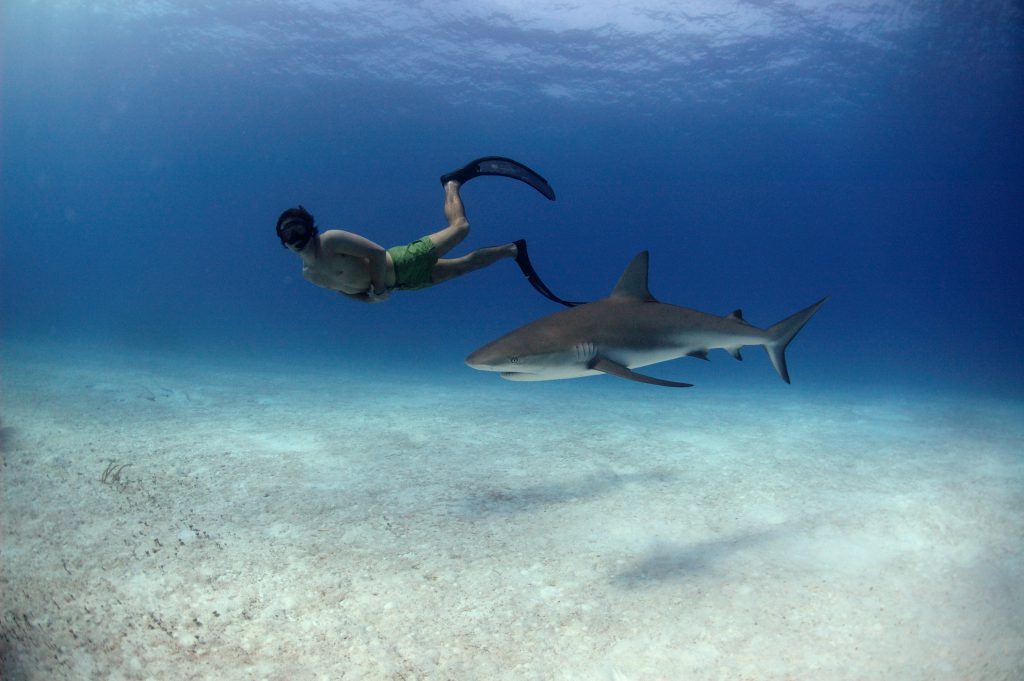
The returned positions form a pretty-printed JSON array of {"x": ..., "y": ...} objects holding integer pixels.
[{"x": 166, "y": 518}]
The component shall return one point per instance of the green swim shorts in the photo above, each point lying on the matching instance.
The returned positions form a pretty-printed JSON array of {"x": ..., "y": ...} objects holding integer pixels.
[{"x": 414, "y": 264}]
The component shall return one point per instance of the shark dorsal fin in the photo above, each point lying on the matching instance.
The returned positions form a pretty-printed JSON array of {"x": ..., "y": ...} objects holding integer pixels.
[
  {"x": 633, "y": 282},
  {"x": 737, "y": 316}
]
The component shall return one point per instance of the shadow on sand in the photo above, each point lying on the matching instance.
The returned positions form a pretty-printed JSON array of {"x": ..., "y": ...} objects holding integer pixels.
[
  {"x": 6, "y": 437},
  {"x": 675, "y": 561},
  {"x": 507, "y": 501}
]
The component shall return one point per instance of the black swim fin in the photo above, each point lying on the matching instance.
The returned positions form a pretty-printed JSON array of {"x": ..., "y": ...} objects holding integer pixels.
[
  {"x": 505, "y": 167},
  {"x": 523, "y": 260}
]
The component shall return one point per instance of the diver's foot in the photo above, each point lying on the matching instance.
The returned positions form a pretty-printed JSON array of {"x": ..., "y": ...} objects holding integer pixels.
[
  {"x": 461, "y": 175},
  {"x": 520, "y": 253}
]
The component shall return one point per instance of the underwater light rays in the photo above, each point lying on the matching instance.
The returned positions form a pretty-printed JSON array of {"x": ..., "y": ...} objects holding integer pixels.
[{"x": 608, "y": 52}]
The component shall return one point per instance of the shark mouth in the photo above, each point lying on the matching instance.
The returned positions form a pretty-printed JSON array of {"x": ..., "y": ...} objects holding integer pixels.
[{"x": 521, "y": 376}]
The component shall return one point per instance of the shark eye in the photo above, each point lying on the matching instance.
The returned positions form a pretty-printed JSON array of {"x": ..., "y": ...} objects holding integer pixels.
[{"x": 514, "y": 359}]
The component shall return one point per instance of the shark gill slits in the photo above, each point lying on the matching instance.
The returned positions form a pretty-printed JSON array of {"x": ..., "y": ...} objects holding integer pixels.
[{"x": 585, "y": 351}]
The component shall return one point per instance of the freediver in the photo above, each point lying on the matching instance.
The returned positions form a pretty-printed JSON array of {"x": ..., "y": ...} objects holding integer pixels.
[{"x": 362, "y": 270}]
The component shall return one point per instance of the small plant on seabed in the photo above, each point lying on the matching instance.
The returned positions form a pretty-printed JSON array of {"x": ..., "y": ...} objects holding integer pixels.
[{"x": 112, "y": 474}]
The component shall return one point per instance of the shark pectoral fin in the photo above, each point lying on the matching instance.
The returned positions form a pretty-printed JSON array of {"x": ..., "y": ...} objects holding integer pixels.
[{"x": 615, "y": 369}]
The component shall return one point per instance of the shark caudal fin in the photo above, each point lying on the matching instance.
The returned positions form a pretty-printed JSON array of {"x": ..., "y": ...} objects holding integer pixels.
[{"x": 779, "y": 336}]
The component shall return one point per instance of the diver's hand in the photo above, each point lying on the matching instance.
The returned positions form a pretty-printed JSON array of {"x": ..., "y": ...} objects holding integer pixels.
[{"x": 374, "y": 297}]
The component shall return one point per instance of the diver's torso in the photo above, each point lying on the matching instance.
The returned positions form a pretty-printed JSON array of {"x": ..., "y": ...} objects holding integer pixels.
[{"x": 338, "y": 272}]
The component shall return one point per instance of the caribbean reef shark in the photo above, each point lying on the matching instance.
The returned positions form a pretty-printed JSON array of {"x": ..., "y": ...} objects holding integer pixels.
[{"x": 626, "y": 330}]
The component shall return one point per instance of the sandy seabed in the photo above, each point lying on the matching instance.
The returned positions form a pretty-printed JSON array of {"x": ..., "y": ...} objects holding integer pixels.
[{"x": 171, "y": 519}]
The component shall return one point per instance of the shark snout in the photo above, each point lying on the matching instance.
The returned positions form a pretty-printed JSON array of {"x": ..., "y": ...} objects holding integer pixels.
[{"x": 483, "y": 360}]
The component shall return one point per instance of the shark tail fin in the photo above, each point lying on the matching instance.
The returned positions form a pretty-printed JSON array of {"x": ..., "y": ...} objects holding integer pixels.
[{"x": 780, "y": 334}]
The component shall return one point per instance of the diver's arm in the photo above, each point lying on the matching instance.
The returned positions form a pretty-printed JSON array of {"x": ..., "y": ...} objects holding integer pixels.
[
  {"x": 337, "y": 241},
  {"x": 364, "y": 297}
]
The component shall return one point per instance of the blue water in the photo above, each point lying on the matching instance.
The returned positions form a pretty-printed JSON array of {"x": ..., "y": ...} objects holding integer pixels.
[
  {"x": 766, "y": 156},
  {"x": 308, "y": 487}
]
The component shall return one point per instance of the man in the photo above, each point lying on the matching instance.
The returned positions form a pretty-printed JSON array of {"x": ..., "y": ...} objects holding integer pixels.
[{"x": 363, "y": 270}]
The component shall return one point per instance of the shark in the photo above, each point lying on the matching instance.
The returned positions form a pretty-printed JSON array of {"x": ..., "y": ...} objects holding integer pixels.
[{"x": 626, "y": 330}]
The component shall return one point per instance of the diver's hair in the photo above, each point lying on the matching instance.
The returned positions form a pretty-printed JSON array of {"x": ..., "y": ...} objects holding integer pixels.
[{"x": 299, "y": 214}]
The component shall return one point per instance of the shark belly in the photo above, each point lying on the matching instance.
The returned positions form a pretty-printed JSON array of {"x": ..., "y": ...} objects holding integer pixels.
[
  {"x": 579, "y": 363},
  {"x": 682, "y": 344},
  {"x": 549, "y": 374},
  {"x": 641, "y": 357}
]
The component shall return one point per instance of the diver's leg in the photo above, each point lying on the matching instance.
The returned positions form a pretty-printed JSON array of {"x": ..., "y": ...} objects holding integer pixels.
[
  {"x": 450, "y": 268},
  {"x": 458, "y": 226}
]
